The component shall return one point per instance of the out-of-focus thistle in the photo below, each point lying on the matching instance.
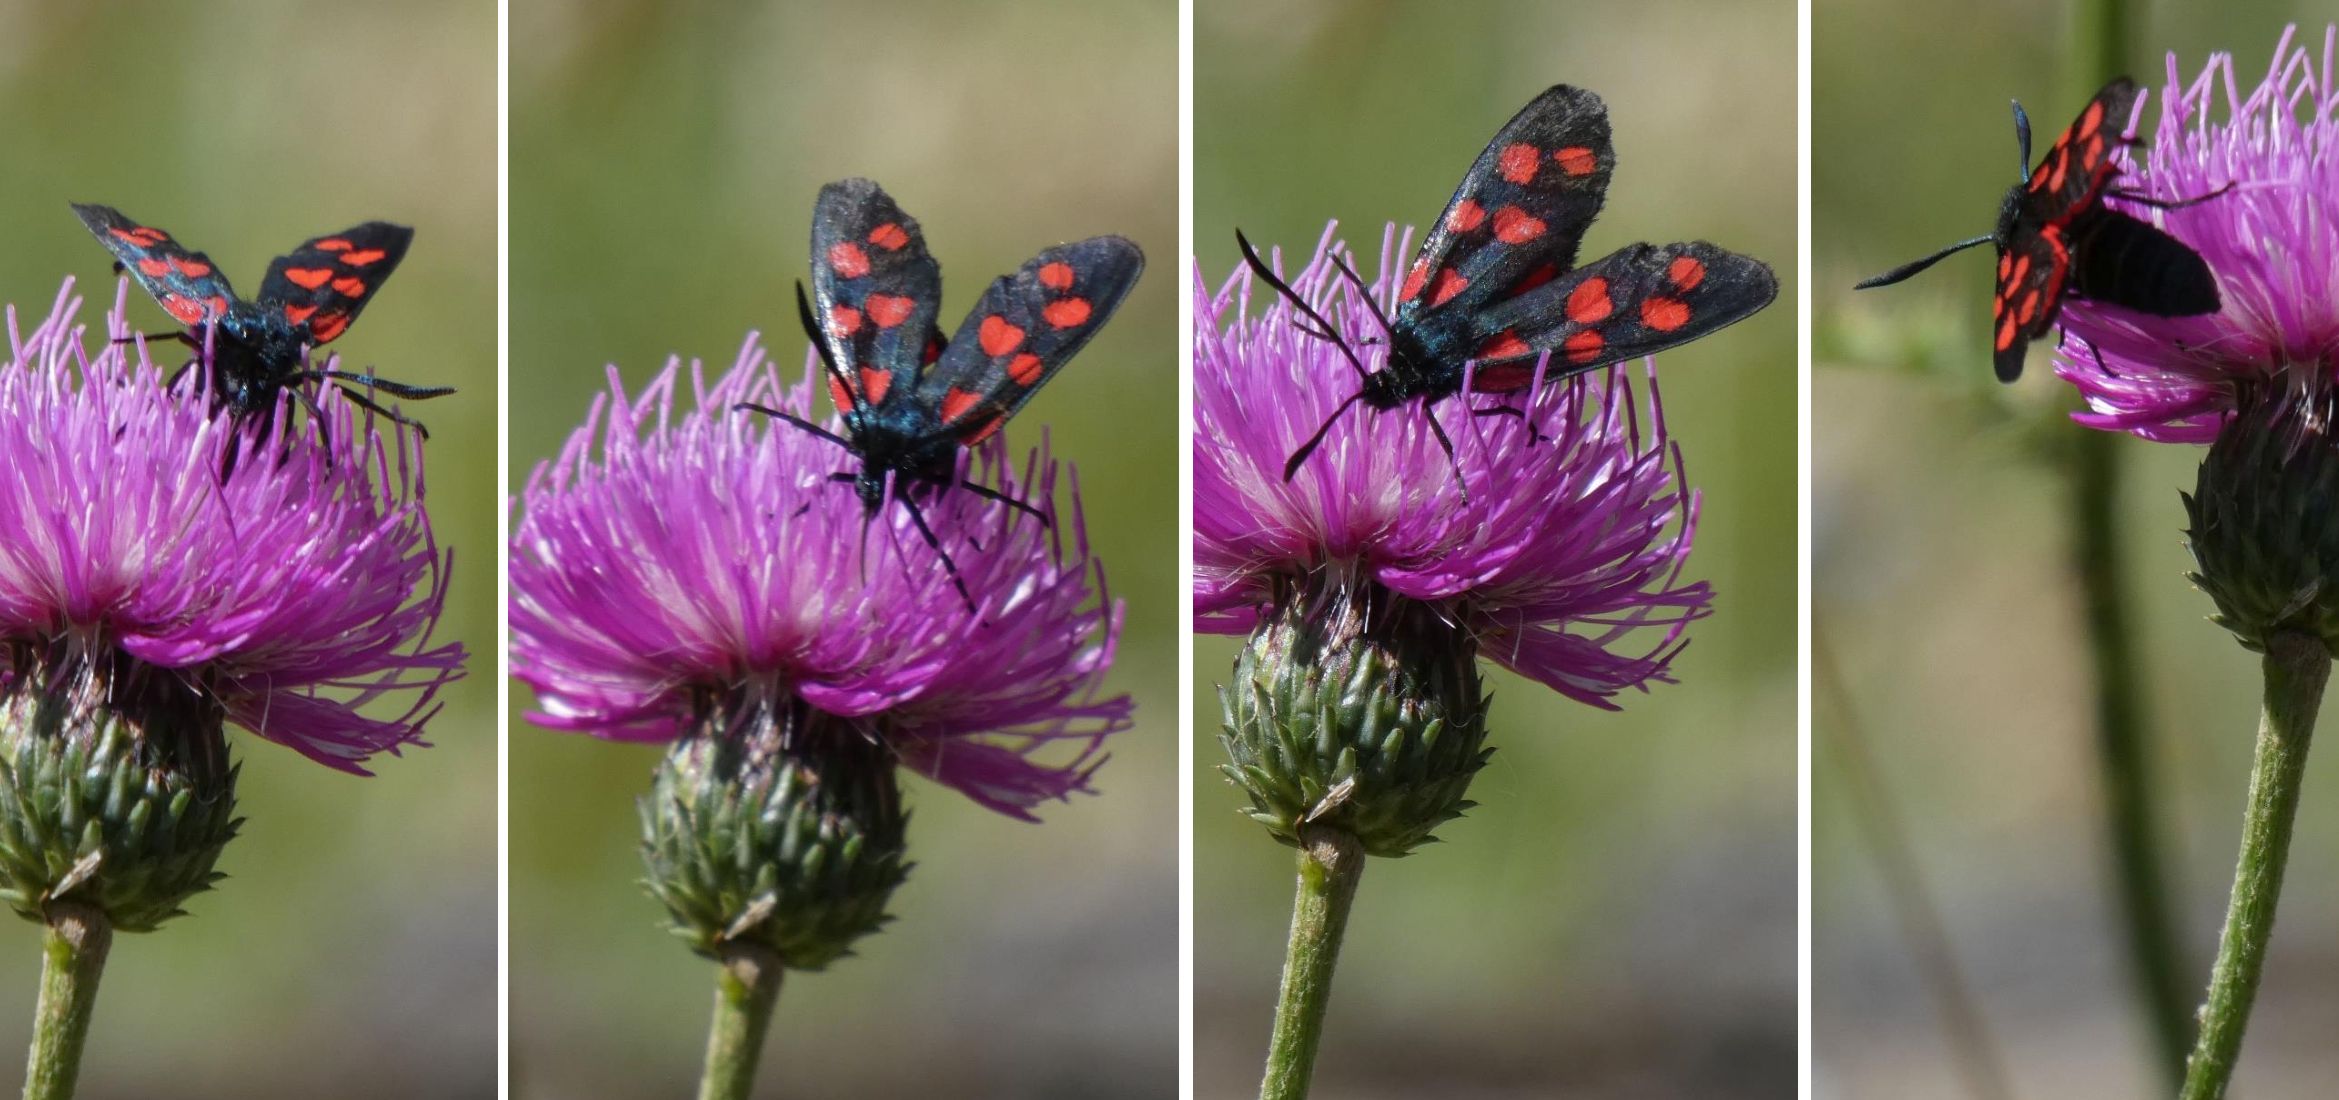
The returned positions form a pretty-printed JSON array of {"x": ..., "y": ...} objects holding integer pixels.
[{"x": 147, "y": 603}]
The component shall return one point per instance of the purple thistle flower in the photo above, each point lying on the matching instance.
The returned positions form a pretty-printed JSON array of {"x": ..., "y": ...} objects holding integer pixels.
[
  {"x": 710, "y": 556},
  {"x": 2272, "y": 240},
  {"x": 1565, "y": 546},
  {"x": 292, "y": 594}
]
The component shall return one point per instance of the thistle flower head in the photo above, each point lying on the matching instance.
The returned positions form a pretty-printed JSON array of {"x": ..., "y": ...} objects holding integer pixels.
[
  {"x": 1369, "y": 583},
  {"x": 2271, "y": 237},
  {"x": 287, "y": 596},
  {"x": 672, "y": 563},
  {"x": 1572, "y": 537},
  {"x": 147, "y": 600}
]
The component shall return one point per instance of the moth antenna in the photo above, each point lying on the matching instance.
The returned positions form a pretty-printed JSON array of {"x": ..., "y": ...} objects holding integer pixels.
[
  {"x": 1300, "y": 456},
  {"x": 2022, "y": 138},
  {"x": 1259, "y": 266},
  {"x": 1912, "y": 267},
  {"x": 1363, "y": 291}
]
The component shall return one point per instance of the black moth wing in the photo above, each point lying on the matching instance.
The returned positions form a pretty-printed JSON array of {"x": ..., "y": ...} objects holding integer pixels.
[
  {"x": 875, "y": 292},
  {"x": 324, "y": 284},
  {"x": 1636, "y": 301},
  {"x": 2126, "y": 261},
  {"x": 186, "y": 284},
  {"x": 2033, "y": 268},
  {"x": 2071, "y": 178},
  {"x": 1519, "y": 214},
  {"x": 1025, "y": 328}
]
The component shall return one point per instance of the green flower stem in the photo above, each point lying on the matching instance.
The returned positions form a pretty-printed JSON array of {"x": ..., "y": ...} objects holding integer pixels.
[
  {"x": 74, "y": 949},
  {"x": 1331, "y": 862},
  {"x": 2296, "y": 667},
  {"x": 746, "y": 988},
  {"x": 2123, "y": 758}
]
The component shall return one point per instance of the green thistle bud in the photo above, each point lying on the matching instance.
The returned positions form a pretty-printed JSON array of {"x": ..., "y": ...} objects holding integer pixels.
[
  {"x": 777, "y": 825},
  {"x": 115, "y": 790},
  {"x": 2265, "y": 519},
  {"x": 1356, "y": 710}
]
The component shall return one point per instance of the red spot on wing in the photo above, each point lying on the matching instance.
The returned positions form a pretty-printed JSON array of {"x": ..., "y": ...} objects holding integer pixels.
[
  {"x": 2092, "y": 155},
  {"x": 2091, "y": 118},
  {"x": 990, "y": 428},
  {"x": 1466, "y": 216},
  {"x": 1056, "y": 276},
  {"x": 153, "y": 268},
  {"x": 2005, "y": 331},
  {"x": 310, "y": 277},
  {"x": 1576, "y": 160},
  {"x": 1503, "y": 378},
  {"x": 2021, "y": 269},
  {"x": 140, "y": 235},
  {"x": 2062, "y": 162},
  {"x": 333, "y": 244},
  {"x": 1583, "y": 347},
  {"x": 847, "y": 260},
  {"x": 1503, "y": 345},
  {"x": 1413, "y": 280},
  {"x": 845, "y": 319},
  {"x": 1025, "y": 369},
  {"x": 1685, "y": 272},
  {"x": 363, "y": 256},
  {"x": 352, "y": 286},
  {"x": 1589, "y": 303},
  {"x": 956, "y": 403},
  {"x": 1450, "y": 282},
  {"x": 998, "y": 338},
  {"x": 1066, "y": 312},
  {"x": 875, "y": 383},
  {"x": 193, "y": 269},
  {"x": 326, "y": 326},
  {"x": 1515, "y": 226},
  {"x": 1535, "y": 278},
  {"x": 933, "y": 350},
  {"x": 298, "y": 314},
  {"x": 1664, "y": 314},
  {"x": 218, "y": 305},
  {"x": 838, "y": 393},
  {"x": 1518, "y": 163},
  {"x": 889, "y": 310},
  {"x": 2030, "y": 306},
  {"x": 187, "y": 310},
  {"x": 2005, "y": 265},
  {"x": 889, "y": 237}
]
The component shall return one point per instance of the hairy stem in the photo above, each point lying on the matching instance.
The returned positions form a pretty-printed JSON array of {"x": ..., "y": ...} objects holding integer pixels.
[
  {"x": 74, "y": 956},
  {"x": 2296, "y": 667},
  {"x": 746, "y": 988},
  {"x": 1330, "y": 864}
]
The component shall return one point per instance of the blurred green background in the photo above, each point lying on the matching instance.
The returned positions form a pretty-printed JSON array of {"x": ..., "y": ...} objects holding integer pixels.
[
  {"x": 352, "y": 953},
  {"x": 1618, "y": 917},
  {"x": 1943, "y": 591},
  {"x": 664, "y": 161}
]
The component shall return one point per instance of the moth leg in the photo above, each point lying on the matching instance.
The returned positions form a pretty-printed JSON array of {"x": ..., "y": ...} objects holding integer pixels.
[
  {"x": 1447, "y": 445},
  {"x": 988, "y": 493},
  {"x": 368, "y": 404},
  {"x": 918, "y": 519}
]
